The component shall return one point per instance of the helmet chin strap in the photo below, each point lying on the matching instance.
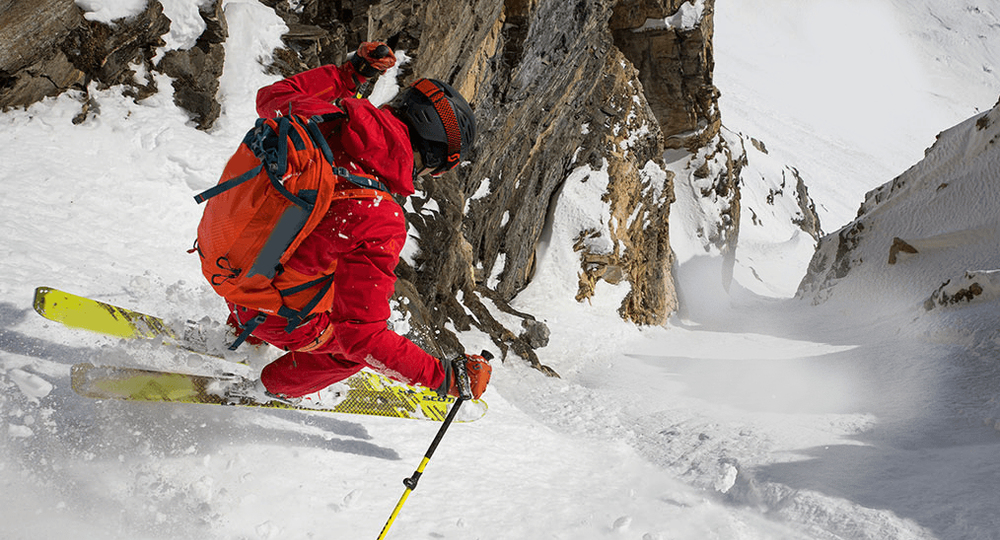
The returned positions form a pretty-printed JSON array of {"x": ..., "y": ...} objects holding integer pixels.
[{"x": 419, "y": 169}]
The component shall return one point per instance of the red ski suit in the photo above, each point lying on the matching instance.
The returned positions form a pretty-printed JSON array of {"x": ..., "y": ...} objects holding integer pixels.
[{"x": 361, "y": 237}]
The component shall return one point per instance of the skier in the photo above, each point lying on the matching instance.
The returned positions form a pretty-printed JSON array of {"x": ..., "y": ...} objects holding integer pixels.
[{"x": 426, "y": 130}]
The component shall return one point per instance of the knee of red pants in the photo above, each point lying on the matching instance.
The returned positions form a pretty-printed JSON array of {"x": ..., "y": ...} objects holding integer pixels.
[{"x": 296, "y": 374}]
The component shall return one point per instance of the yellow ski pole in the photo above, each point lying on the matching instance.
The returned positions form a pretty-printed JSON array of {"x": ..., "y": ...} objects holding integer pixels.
[{"x": 411, "y": 482}]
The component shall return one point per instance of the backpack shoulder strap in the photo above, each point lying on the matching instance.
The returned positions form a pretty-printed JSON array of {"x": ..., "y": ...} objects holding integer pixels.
[
  {"x": 320, "y": 141},
  {"x": 358, "y": 180}
]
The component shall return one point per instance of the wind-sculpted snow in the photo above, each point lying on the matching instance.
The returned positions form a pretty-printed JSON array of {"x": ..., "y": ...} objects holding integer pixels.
[{"x": 938, "y": 220}]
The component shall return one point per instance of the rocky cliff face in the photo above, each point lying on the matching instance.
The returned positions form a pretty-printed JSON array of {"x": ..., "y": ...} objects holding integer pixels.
[
  {"x": 563, "y": 92},
  {"x": 32, "y": 62},
  {"x": 48, "y": 47},
  {"x": 670, "y": 43},
  {"x": 553, "y": 95}
]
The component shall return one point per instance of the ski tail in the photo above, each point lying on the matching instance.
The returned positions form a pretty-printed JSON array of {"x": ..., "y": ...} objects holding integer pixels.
[
  {"x": 79, "y": 312},
  {"x": 92, "y": 315}
]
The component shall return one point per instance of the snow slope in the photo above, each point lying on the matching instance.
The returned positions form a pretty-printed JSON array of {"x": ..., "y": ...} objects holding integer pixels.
[
  {"x": 749, "y": 418},
  {"x": 126, "y": 470}
]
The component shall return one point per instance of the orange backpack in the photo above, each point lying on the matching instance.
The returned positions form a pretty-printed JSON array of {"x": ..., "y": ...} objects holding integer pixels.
[{"x": 273, "y": 193}]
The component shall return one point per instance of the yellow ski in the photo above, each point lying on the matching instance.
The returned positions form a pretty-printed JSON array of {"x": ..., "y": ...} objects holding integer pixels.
[
  {"x": 79, "y": 312},
  {"x": 88, "y": 314},
  {"x": 366, "y": 393}
]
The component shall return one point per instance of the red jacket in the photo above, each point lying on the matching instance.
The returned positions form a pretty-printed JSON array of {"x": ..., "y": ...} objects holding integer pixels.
[{"x": 362, "y": 237}]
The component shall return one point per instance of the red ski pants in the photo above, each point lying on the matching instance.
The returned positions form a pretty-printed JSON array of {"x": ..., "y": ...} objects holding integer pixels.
[{"x": 313, "y": 362}]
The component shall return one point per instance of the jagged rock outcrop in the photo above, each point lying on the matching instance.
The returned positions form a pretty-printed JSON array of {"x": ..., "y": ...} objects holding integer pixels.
[
  {"x": 710, "y": 175},
  {"x": 670, "y": 42},
  {"x": 730, "y": 187},
  {"x": 48, "y": 47},
  {"x": 320, "y": 32},
  {"x": 195, "y": 71},
  {"x": 104, "y": 52},
  {"x": 745, "y": 208},
  {"x": 978, "y": 286},
  {"x": 32, "y": 62}
]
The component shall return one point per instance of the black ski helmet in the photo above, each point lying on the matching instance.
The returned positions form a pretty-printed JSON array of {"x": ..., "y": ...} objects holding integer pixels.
[{"x": 441, "y": 123}]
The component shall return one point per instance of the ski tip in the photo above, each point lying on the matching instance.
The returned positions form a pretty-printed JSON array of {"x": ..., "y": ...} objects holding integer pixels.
[
  {"x": 473, "y": 410},
  {"x": 470, "y": 411}
]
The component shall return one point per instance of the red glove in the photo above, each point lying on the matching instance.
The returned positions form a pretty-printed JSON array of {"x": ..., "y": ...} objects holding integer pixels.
[
  {"x": 467, "y": 376},
  {"x": 372, "y": 58}
]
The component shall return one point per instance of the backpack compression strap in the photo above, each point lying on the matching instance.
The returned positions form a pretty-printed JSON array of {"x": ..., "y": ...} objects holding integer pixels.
[{"x": 360, "y": 181}]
